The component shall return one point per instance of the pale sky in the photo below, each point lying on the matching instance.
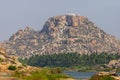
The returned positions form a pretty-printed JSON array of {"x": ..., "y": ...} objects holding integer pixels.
[{"x": 17, "y": 14}]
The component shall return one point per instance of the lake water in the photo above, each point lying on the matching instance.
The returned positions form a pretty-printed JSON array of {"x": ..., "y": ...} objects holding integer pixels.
[{"x": 79, "y": 75}]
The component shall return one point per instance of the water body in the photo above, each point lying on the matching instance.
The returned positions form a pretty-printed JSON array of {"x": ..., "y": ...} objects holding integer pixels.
[{"x": 79, "y": 75}]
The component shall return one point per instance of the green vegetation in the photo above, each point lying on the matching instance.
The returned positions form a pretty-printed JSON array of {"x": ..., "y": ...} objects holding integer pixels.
[
  {"x": 70, "y": 60},
  {"x": 1, "y": 59},
  {"x": 43, "y": 74},
  {"x": 105, "y": 77},
  {"x": 12, "y": 67}
]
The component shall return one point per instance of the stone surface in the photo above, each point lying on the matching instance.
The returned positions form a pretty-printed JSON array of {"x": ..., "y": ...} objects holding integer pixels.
[
  {"x": 114, "y": 64},
  {"x": 114, "y": 75},
  {"x": 6, "y": 61},
  {"x": 64, "y": 33}
]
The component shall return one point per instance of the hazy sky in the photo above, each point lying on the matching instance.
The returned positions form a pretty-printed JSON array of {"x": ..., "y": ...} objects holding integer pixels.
[{"x": 16, "y": 14}]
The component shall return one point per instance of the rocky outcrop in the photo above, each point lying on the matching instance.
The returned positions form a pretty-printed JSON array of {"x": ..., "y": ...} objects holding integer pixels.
[
  {"x": 114, "y": 64},
  {"x": 105, "y": 76},
  {"x": 64, "y": 33},
  {"x": 6, "y": 61},
  {"x": 23, "y": 42},
  {"x": 9, "y": 60}
]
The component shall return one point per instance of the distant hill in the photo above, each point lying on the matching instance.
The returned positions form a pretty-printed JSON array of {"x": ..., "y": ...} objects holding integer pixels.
[{"x": 64, "y": 33}]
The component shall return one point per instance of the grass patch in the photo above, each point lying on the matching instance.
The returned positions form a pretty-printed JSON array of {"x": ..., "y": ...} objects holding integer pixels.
[{"x": 44, "y": 74}]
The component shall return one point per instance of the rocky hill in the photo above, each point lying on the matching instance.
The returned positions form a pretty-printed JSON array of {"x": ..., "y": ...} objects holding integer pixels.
[{"x": 64, "y": 33}]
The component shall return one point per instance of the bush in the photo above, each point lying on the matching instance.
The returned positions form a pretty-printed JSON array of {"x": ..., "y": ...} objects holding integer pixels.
[
  {"x": 1, "y": 59},
  {"x": 55, "y": 71},
  {"x": 12, "y": 67}
]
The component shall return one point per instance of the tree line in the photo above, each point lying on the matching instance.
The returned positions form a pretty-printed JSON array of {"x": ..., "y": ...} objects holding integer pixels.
[{"x": 69, "y": 59}]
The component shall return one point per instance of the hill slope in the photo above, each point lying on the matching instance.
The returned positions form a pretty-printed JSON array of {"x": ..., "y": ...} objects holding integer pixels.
[
  {"x": 6, "y": 61},
  {"x": 64, "y": 33},
  {"x": 12, "y": 69}
]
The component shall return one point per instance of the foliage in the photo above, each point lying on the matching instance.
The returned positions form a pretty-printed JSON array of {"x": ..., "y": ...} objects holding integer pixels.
[
  {"x": 105, "y": 77},
  {"x": 12, "y": 67},
  {"x": 1, "y": 59},
  {"x": 44, "y": 74},
  {"x": 70, "y": 59}
]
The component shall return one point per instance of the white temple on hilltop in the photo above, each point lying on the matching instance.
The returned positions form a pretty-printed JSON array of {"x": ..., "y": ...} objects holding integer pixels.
[{"x": 72, "y": 14}]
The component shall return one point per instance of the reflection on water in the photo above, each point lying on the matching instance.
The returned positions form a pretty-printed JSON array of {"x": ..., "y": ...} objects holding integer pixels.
[{"x": 79, "y": 75}]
